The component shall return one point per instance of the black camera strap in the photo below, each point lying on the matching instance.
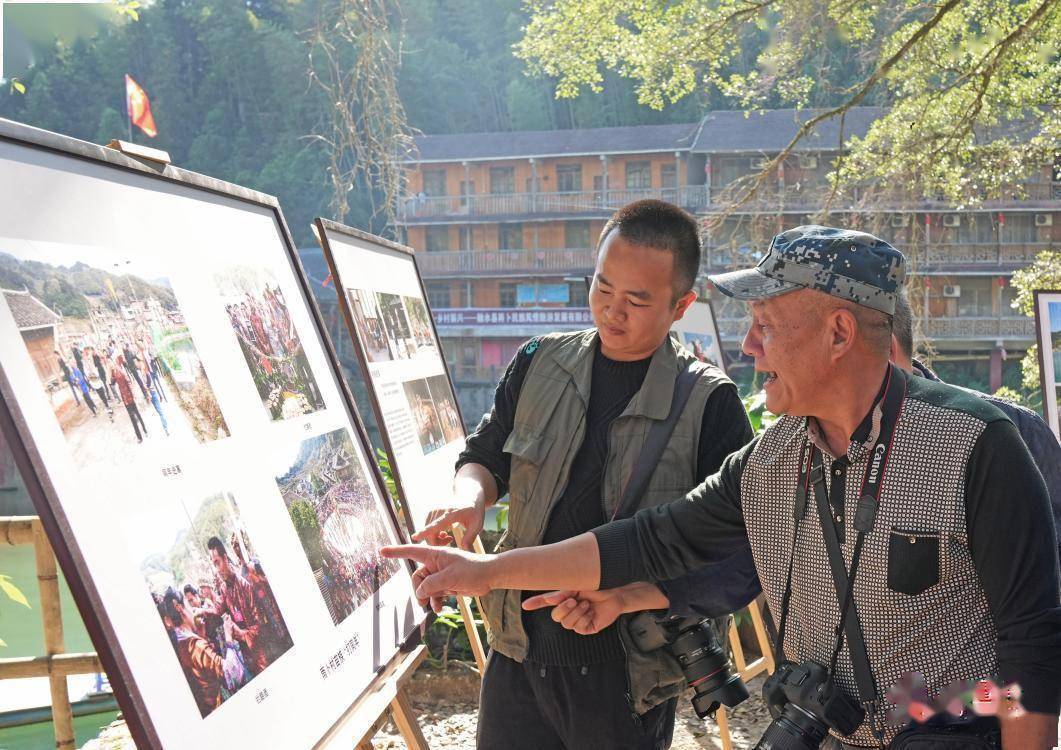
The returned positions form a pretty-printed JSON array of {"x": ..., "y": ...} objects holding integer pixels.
[{"x": 812, "y": 478}]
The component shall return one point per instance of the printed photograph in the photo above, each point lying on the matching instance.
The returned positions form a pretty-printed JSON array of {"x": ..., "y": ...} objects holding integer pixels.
[
  {"x": 369, "y": 324},
  {"x": 114, "y": 355},
  {"x": 338, "y": 520},
  {"x": 262, "y": 323},
  {"x": 420, "y": 323},
  {"x": 396, "y": 325},
  {"x": 212, "y": 594},
  {"x": 425, "y": 416},
  {"x": 701, "y": 345},
  {"x": 445, "y": 408}
]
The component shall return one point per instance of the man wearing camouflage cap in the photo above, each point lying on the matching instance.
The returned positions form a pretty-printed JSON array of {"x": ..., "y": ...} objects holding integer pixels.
[{"x": 915, "y": 486}]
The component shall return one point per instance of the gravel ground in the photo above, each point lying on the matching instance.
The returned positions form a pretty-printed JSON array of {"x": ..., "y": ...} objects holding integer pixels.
[{"x": 447, "y": 707}]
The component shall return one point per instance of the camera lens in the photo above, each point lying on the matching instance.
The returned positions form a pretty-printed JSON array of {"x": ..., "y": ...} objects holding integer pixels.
[{"x": 794, "y": 729}]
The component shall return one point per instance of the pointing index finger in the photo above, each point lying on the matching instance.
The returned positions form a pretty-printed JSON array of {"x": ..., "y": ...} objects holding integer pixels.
[{"x": 418, "y": 552}]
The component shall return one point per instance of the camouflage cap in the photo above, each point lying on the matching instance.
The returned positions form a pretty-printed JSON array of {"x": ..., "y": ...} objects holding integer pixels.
[{"x": 844, "y": 263}]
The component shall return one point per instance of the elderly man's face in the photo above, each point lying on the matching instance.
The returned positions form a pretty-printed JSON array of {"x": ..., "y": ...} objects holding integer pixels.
[{"x": 788, "y": 344}]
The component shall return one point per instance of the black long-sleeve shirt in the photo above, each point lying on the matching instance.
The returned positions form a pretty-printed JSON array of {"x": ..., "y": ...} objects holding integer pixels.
[
  {"x": 1010, "y": 537},
  {"x": 724, "y": 428}
]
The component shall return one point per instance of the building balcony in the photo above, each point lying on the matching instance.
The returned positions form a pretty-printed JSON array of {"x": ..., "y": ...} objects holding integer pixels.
[
  {"x": 525, "y": 262},
  {"x": 486, "y": 207},
  {"x": 703, "y": 199}
]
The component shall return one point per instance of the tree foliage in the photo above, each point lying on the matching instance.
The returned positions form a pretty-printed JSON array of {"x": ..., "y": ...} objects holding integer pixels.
[{"x": 971, "y": 85}]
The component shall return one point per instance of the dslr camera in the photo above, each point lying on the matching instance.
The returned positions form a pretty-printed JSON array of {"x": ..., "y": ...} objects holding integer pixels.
[
  {"x": 704, "y": 663},
  {"x": 805, "y": 704}
]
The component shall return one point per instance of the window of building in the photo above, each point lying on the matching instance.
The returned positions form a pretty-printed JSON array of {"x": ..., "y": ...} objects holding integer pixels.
[
  {"x": 976, "y": 297},
  {"x": 578, "y": 295},
  {"x": 507, "y": 294},
  {"x": 465, "y": 293},
  {"x": 532, "y": 185},
  {"x": 510, "y": 236},
  {"x": 598, "y": 183},
  {"x": 668, "y": 175},
  {"x": 469, "y": 354},
  {"x": 502, "y": 180},
  {"x": 467, "y": 189},
  {"x": 1019, "y": 227},
  {"x": 576, "y": 234},
  {"x": 638, "y": 175},
  {"x": 435, "y": 181},
  {"x": 466, "y": 238},
  {"x": 437, "y": 239},
  {"x": 438, "y": 295},
  {"x": 569, "y": 178}
]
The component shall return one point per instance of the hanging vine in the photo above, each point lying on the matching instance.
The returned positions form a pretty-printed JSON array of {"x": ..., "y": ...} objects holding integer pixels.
[{"x": 354, "y": 56}]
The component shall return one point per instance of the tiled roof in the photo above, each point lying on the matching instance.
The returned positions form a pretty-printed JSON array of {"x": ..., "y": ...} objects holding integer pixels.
[
  {"x": 542, "y": 143},
  {"x": 771, "y": 130},
  {"x": 28, "y": 311}
]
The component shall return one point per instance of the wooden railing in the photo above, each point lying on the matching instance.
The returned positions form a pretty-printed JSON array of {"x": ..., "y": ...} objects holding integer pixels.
[{"x": 55, "y": 664}]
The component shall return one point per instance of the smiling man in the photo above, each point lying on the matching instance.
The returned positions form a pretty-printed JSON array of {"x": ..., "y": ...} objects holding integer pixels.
[
  {"x": 902, "y": 497},
  {"x": 568, "y": 424}
]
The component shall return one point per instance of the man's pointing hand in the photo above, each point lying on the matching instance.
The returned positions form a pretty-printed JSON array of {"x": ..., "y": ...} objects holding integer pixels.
[{"x": 444, "y": 571}]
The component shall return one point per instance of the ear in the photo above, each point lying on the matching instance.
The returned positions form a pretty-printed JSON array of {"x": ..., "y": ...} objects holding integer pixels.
[
  {"x": 895, "y": 354},
  {"x": 842, "y": 329},
  {"x": 683, "y": 304}
]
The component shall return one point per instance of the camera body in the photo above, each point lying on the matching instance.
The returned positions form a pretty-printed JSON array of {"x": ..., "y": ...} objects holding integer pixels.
[
  {"x": 693, "y": 643},
  {"x": 806, "y": 703}
]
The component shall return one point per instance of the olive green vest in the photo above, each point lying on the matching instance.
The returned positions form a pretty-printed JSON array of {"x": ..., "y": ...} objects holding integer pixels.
[{"x": 549, "y": 428}]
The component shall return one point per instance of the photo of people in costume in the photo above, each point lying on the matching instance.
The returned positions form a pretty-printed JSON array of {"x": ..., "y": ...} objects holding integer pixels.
[
  {"x": 434, "y": 412},
  {"x": 113, "y": 352},
  {"x": 212, "y": 595},
  {"x": 420, "y": 323},
  {"x": 260, "y": 319},
  {"x": 391, "y": 326},
  {"x": 369, "y": 324},
  {"x": 338, "y": 519}
]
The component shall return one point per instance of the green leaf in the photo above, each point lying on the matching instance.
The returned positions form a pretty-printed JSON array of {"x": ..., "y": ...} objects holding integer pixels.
[{"x": 13, "y": 592}]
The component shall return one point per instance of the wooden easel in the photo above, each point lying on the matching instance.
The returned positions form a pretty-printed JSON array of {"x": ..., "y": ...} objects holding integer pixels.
[
  {"x": 55, "y": 665},
  {"x": 464, "y": 604},
  {"x": 764, "y": 663},
  {"x": 385, "y": 700}
]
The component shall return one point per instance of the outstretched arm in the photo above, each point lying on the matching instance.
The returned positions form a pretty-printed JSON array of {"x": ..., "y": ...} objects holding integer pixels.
[{"x": 571, "y": 564}]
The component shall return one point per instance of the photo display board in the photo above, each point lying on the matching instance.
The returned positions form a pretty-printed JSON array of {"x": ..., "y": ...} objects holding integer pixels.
[
  {"x": 384, "y": 302},
  {"x": 698, "y": 332},
  {"x": 180, "y": 421},
  {"x": 1048, "y": 332}
]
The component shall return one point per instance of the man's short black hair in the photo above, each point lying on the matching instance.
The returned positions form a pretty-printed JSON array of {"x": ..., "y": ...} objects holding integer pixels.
[
  {"x": 663, "y": 226},
  {"x": 903, "y": 324},
  {"x": 171, "y": 605},
  {"x": 216, "y": 544},
  {"x": 189, "y": 589}
]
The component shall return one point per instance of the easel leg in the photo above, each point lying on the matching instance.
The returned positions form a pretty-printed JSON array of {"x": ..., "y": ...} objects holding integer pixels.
[
  {"x": 723, "y": 728},
  {"x": 405, "y": 719},
  {"x": 760, "y": 634},
  {"x": 469, "y": 616},
  {"x": 51, "y": 614},
  {"x": 738, "y": 649}
]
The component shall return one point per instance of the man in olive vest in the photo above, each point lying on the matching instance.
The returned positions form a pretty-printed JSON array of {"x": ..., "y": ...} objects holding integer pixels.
[
  {"x": 915, "y": 504},
  {"x": 568, "y": 423}
]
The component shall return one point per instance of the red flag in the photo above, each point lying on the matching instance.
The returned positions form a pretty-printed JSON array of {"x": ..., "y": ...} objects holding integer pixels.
[{"x": 138, "y": 107}]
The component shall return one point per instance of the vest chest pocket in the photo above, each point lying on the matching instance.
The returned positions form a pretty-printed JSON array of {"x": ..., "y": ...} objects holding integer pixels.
[
  {"x": 529, "y": 450},
  {"x": 913, "y": 560}
]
